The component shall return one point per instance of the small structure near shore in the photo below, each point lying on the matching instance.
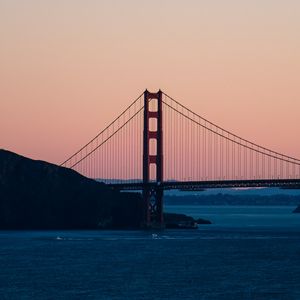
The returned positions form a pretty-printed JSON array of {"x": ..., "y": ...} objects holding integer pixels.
[
  {"x": 181, "y": 221},
  {"x": 297, "y": 210}
]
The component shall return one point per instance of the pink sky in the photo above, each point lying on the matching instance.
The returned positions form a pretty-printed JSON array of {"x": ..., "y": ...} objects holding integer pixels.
[{"x": 67, "y": 68}]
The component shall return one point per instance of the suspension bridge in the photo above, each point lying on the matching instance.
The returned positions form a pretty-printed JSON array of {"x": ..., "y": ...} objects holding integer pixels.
[{"x": 158, "y": 144}]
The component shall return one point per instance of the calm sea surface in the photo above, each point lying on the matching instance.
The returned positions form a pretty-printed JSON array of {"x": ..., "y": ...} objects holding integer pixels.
[{"x": 248, "y": 253}]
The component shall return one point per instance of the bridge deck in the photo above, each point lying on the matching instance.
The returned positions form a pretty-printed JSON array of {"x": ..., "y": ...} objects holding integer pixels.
[{"x": 198, "y": 185}]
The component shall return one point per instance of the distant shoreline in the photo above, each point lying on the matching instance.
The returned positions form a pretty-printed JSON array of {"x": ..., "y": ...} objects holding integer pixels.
[{"x": 227, "y": 199}]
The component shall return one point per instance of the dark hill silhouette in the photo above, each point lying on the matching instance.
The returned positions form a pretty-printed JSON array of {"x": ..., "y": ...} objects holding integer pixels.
[{"x": 39, "y": 195}]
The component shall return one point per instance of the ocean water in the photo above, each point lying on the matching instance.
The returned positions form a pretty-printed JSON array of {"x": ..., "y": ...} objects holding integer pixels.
[{"x": 248, "y": 253}]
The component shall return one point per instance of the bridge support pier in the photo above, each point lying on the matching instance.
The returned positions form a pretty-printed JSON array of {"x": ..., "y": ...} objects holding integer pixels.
[{"x": 153, "y": 196}]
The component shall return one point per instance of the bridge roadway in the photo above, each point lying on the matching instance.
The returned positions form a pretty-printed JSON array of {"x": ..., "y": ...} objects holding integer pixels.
[{"x": 202, "y": 185}]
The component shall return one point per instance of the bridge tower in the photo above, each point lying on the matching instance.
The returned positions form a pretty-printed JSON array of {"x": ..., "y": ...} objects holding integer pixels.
[{"x": 153, "y": 196}]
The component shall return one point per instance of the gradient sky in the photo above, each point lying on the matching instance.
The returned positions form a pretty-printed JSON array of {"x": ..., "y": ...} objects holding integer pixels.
[{"x": 68, "y": 67}]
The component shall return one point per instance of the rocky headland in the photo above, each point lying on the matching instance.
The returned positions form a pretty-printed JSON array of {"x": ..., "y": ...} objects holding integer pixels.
[{"x": 39, "y": 195}]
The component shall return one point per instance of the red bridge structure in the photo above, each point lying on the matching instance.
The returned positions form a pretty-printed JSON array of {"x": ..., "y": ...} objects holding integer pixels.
[{"x": 158, "y": 144}]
